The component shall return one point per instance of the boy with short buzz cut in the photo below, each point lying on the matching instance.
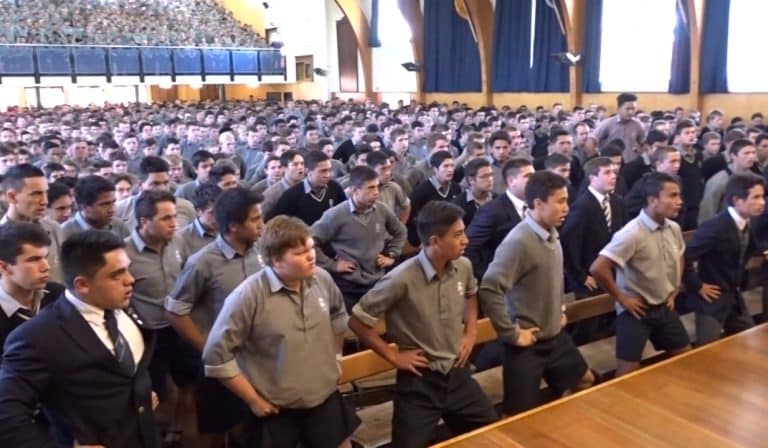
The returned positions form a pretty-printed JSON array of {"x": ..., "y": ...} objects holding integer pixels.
[
  {"x": 647, "y": 256},
  {"x": 276, "y": 343},
  {"x": 522, "y": 293},
  {"x": 429, "y": 303}
]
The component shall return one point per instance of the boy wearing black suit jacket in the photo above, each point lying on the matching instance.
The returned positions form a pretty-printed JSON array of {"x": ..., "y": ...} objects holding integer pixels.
[
  {"x": 83, "y": 360},
  {"x": 722, "y": 245}
]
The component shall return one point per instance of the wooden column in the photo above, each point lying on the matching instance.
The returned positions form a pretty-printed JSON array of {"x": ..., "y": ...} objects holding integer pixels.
[
  {"x": 359, "y": 22},
  {"x": 412, "y": 13}
]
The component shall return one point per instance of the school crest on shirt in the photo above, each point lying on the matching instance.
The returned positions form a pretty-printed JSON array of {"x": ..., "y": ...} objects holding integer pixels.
[
  {"x": 323, "y": 304},
  {"x": 178, "y": 255},
  {"x": 460, "y": 288}
]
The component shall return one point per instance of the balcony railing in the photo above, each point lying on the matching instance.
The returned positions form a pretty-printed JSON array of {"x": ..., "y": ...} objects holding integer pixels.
[{"x": 87, "y": 60}]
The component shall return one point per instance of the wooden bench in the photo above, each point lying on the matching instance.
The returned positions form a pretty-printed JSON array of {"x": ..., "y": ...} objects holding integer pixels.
[{"x": 375, "y": 430}]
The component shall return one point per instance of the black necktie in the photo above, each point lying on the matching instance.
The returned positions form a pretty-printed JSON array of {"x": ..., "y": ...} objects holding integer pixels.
[
  {"x": 122, "y": 350},
  {"x": 25, "y": 314}
]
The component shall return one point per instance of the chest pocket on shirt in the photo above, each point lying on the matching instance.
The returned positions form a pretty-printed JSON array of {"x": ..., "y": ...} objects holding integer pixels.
[{"x": 315, "y": 312}]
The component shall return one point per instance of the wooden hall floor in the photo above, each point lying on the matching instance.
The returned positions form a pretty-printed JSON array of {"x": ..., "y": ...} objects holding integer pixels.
[{"x": 715, "y": 396}]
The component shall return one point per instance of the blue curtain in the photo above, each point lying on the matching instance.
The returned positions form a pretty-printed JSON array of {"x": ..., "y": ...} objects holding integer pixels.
[
  {"x": 714, "y": 47},
  {"x": 511, "y": 45},
  {"x": 451, "y": 58},
  {"x": 680, "y": 75},
  {"x": 548, "y": 74},
  {"x": 590, "y": 57},
  {"x": 373, "y": 37}
]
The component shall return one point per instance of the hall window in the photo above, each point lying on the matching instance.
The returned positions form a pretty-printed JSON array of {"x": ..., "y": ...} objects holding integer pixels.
[
  {"x": 746, "y": 30},
  {"x": 636, "y": 45}
]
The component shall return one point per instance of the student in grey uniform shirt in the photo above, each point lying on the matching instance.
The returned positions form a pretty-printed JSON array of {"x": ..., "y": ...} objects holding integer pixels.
[
  {"x": 522, "y": 293},
  {"x": 390, "y": 193},
  {"x": 274, "y": 175},
  {"x": 293, "y": 168},
  {"x": 202, "y": 230},
  {"x": 153, "y": 177},
  {"x": 156, "y": 260},
  {"x": 95, "y": 197},
  {"x": 429, "y": 303},
  {"x": 647, "y": 256},
  {"x": 207, "y": 279},
  {"x": 202, "y": 161},
  {"x": 26, "y": 191},
  {"x": 277, "y": 343},
  {"x": 365, "y": 236}
]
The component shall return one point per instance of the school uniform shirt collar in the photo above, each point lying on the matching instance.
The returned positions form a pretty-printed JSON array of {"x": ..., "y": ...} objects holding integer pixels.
[
  {"x": 541, "y": 232},
  {"x": 443, "y": 190},
  {"x": 276, "y": 285},
  {"x": 741, "y": 223},
  {"x": 228, "y": 251},
  {"x": 517, "y": 202},
  {"x": 9, "y": 305},
  {"x": 650, "y": 222},
  {"x": 200, "y": 229},
  {"x": 426, "y": 265},
  {"x": 471, "y": 197},
  {"x": 137, "y": 241},
  {"x": 88, "y": 311},
  {"x": 80, "y": 219},
  {"x": 599, "y": 196},
  {"x": 308, "y": 187},
  {"x": 355, "y": 211}
]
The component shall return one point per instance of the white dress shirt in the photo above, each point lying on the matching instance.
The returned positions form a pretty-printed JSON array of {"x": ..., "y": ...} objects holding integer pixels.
[
  {"x": 95, "y": 318},
  {"x": 520, "y": 205}
]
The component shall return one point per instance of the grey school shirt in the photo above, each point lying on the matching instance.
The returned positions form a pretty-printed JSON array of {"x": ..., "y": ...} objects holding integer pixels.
[
  {"x": 77, "y": 224},
  {"x": 208, "y": 277},
  {"x": 422, "y": 310},
  {"x": 649, "y": 258},
  {"x": 360, "y": 237},
  {"x": 126, "y": 211},
  {"x": 54, "y": 251},
  {"x": 194, "y": 237},
  {"x": 524, "y": 282},
  {"x": 154, "y": 273},
  {"x": 281, "y": 340}
]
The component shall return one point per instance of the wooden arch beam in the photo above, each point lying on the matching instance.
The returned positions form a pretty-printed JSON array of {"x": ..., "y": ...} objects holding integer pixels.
[
  {"x": 359, "y": 22},
  {"x": 480, "y": 16}
]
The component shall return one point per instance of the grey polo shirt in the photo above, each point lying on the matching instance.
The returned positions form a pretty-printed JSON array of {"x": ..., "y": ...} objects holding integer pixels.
[
  {"x": 54, "y": 251},
  {"x": 272, "y": 195},
  {"x": 9, "y": 305},
  {"x": 187, "y": 190},
  {"x": 208, "y": 277},
  {"x": 282, "y": 341},
  {"x": 77, "y": 224},
  {"x": 125, "y": 211},
  {"x": 631, "y": 132},
  {"x": 154, "y": 274},
  {"x": 421, "y": 309},
  {"x": 393, "y": 196},
  {"x": 194, "y": 237},
  {"x": 648, "y": 255}
]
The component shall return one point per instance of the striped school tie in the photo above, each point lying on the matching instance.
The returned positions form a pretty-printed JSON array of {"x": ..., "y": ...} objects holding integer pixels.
[
  {"x": 607, "y": 211},
  {"x": 122, "y": 350}
]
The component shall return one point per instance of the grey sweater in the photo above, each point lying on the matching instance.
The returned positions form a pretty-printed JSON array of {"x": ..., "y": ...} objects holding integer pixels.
[
  {"x": 359, "y": 238},
  {"x": 524, "y": 283}
]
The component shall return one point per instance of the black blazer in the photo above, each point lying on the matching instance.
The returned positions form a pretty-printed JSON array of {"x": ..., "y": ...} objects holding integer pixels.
[
  {"x": 585, "y": 233},
  {"x": 56, "y": 361},
  {"x": 9, "y": 323},
  {"x": 488, "y": 229},
  {"x": 716, "y": 247},
  {"x": 469, "y": 207}
]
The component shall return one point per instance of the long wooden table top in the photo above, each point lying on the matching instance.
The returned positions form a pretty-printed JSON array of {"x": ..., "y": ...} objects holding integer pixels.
[{"x": 715, "y": 396}]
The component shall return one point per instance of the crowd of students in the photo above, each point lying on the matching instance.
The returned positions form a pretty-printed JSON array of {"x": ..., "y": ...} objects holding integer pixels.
[
  {"x": 212, "y": 257},
  {"x": 195, "y": 23}
]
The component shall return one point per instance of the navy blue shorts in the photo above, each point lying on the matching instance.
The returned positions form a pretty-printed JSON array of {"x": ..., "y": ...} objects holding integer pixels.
[{"x": 660, "y": 324}]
